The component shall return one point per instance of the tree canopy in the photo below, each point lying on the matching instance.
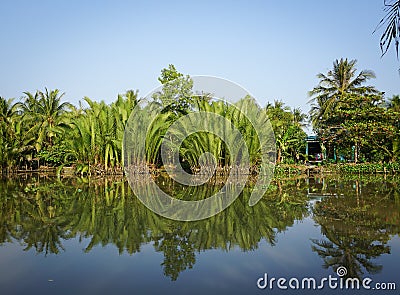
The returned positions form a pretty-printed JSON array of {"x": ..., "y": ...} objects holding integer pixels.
[
  {"x": 353, "y": 119},
  {"x": 339, "y": 81}
]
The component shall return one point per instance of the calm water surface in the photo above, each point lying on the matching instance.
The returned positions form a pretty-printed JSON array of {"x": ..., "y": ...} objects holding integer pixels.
[{"x": 79, "y": 236}]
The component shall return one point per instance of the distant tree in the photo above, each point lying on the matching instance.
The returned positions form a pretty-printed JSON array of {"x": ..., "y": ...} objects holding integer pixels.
[
  {"x": 169, "y": 74},
  {"x": 8, "y": 112},
  {"x": 299, "y": 117},
  {"x": 287, "y": 126},
  {"x": 394, "y": 103},
  {"x": 363, "y": 122},
  {"x": 341, "y": 80},
  {"x": 45, "y": 111},
  {"x": 176, "y": 95}
]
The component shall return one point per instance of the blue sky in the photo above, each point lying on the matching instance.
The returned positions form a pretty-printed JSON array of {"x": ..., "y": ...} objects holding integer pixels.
[{"x": 272, "y": 48}]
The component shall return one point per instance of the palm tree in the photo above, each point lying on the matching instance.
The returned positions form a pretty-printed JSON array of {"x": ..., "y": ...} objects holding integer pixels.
[
  {"x": 44, "y": 110},
  {"x": 341, "y": 80},
  {"x": 125, "y": 104},
  {"x": 299, "y": 118},
  {"x": 392, "y": 30},
  {"x": 8, "y": 112},
  {"x": 287, "y": 125},
  {"x": 50, "y": 113},
  {"x": 394, "y": 105},
  {"x": 93, "y": 135}
]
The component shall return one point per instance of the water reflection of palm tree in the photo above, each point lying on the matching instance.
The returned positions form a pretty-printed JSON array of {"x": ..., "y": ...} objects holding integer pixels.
[
  {"x": 357, "y": 226},
  {"x": 354, "y": 253},
  {"x": 238, "y": 225},
  {"x": 44, "y": 227},
  {"x": 42, "y": 214}
]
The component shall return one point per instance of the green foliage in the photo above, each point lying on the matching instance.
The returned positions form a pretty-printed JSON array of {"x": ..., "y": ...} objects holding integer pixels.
[
  {"x": 8, "y": 115},
  {"x": 287, "y": 170},
  {"x": 94, "y": 135},
  {"x": 352, "y": 119},
  {"x": 365, "y": 168},
  {"x": 391, "y": 23},
  {"x": 289, "y": 135},
  {"x": 42, "y": 130},
  {"x": 339, "y": 81},
  {"x": 44, "y": 113},
  {"x": 363, "y": 122},
  {"x": 198, "y": 143},
  {"x": 176, "y": 95},
  {"x": 169, "y": 75}
]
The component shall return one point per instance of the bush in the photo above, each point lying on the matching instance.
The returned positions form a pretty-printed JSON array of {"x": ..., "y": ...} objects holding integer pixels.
[{"x": 369, "y": 168}]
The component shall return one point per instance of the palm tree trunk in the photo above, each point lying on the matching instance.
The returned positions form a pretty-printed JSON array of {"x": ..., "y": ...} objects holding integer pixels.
[
  {"x": 278, "y": 156},
  {"x": 355, "y": 152}
]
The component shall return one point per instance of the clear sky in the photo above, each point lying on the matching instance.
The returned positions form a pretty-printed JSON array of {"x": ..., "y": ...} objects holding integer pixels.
[{"x": 272, "y": 48}]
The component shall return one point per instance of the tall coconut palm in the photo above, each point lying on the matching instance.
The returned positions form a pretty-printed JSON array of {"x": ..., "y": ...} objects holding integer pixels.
[
  {"x": 8, "y": 109},
  {"x": 341, "y": 80},
  {"x": 299, "y": 118},
  {"x": 8, "y": 112},
  {"x": 44, "y": 110}
]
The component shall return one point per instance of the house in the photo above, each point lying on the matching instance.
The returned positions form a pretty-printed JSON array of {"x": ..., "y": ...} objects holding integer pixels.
[{"x": 314, "y": 151}]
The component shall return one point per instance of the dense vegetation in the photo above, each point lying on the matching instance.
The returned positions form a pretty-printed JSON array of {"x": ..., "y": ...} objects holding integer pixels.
[
  {"x": 353, "y": 121},
  {"x": 41, "y": 131}
]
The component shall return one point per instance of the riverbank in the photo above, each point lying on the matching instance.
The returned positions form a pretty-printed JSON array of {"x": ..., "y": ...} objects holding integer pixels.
[
  {"x": 281, "y": 170},
  {"x": 338, "y": 168}
]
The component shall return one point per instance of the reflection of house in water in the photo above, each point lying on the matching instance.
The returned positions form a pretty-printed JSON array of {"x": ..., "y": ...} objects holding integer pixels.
[
  {"x": 314, "y": 151},
  {"x": 315, "y": 188},
  {"x": 318, "y": 189}
]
